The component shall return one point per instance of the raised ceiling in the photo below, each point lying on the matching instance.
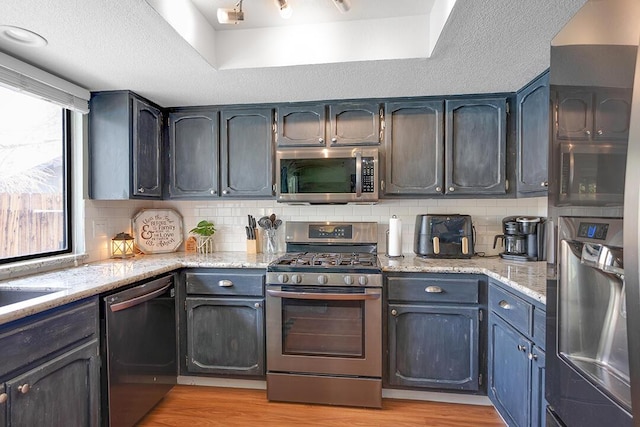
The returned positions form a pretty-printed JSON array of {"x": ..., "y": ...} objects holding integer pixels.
[{"x": 486, "y": 46}]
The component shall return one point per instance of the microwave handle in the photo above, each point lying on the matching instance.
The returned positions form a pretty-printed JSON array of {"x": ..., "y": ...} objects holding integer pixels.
[{"x": 358, "y": 173}]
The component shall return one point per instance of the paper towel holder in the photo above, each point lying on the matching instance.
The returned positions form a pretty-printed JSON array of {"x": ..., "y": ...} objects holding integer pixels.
[{"x": 386, "y": 253}]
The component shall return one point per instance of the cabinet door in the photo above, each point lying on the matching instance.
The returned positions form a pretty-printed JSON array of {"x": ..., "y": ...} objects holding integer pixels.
[
  {"x": 247, "y": 153},
  {"x": 61, "y": 392},
  {"x": 533, "y": 137},
  {"x": 301, "y": 125},
  {"x": 509, "y": 372},
  {"x": 475, "y": 149},
  {"x": 355, "y": 123},
  {"x": 147, "y": 149},
  {"x": 612, "y": 114},
  {"x": 193, "y": 154},
  {"x": 414, "y": 148},
  {"x": 538, "y": 402},
  {"x": 225, "y": 336},
  {"x": 433, "y": 347},
  {"x": 574, "y": 114}
]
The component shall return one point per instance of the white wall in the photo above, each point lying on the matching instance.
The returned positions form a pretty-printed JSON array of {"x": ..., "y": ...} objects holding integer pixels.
[{"x": 104, "y": 219}]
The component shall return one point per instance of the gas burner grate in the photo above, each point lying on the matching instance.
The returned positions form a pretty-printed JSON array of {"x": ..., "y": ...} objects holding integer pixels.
[{"x": 321, "y": 259}]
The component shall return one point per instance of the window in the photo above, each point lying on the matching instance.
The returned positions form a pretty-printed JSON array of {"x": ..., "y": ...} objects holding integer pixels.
[{"x": 34, "y": 177}]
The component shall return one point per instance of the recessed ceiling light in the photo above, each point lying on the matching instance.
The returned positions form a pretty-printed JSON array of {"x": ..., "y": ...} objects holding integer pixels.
[{"x": 21, "y": 36}]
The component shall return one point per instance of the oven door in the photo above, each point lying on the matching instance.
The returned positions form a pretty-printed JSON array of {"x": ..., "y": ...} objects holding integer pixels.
[{"x": 324, "y": 330}]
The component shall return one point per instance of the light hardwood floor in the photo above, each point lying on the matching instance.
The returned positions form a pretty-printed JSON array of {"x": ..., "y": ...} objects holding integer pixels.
[{"x": 195, "y": 406}]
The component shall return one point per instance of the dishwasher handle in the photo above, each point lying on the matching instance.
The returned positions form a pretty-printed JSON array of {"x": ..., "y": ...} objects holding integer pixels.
[{"x": 160, "y": 288}]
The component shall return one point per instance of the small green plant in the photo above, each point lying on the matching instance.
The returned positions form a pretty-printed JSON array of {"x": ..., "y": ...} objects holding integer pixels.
[{"x": 204, "y": 228}]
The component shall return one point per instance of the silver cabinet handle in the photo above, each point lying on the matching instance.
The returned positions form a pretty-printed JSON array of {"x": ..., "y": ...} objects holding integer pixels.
[
  {"x": 224, "y": 283},
  {"x": 4, "y": 397},
  {"x": 439, "y": 189},
  {"x": 588, "y": 132},
  {"x": 334, "y": 139},
  {"x": 452, "y": 189},
  {"x": 24, "y": 388},
  {"x": 521, "y": 347},
  {"x": 141, "y": 190},
  {"x": 505, "y": 305},
  {"x": 256, "y": 305},
  {"x": 433, "y": 289},
  {"x": 544, "y": 184},
  {"x": 533, "y": 356},
  {"x": 213, "y": 191},
  {"x": 394, "y": 312},
  {"x": 599, "y": 131},
  {"x": 225, "y": 191},
  {"x": 321, "y": 140}
]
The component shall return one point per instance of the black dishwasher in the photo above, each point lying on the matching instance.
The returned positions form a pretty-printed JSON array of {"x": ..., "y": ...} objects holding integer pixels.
[{"x": 139, "y": 349}]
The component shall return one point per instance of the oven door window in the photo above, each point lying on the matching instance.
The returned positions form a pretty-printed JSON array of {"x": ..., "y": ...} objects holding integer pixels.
[
  {"x": 324, "y": 175},
  {"x": 328, "y": 328}
]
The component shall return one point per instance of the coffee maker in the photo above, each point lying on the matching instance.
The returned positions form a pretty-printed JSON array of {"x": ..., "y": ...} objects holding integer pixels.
[{"x": 523, "y": 238}]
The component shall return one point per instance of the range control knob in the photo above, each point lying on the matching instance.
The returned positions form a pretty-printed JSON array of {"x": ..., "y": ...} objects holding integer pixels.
[
  {"x": 362, "y": 280},
  {"x": 348, "y": 280},
  {"x": 322, "y": 279},
  {"x": 296, "y": 278},
  {"x": 283, "y": 278}
]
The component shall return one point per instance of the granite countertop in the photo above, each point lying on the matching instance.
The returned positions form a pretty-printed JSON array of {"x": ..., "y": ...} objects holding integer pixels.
[
  {"x": 86, "y": 280},
  {"x": 529, "y": 278}
]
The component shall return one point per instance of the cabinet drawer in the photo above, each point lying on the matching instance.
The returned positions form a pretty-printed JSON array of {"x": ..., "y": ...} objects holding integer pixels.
[
  {"x": 233, "y": 283},
  {"x": 433, "y": 290},
  {"x": 511, "y": 308},
  {"x": 27, "y": 340},
  {"x": 539, "y": 327}
]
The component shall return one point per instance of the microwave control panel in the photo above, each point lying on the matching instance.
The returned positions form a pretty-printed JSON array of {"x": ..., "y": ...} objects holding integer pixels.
[{"x": 368, "y": 177}]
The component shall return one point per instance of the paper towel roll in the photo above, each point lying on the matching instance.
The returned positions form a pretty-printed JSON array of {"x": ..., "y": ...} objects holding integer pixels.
[{"x": 395, "y": 237}]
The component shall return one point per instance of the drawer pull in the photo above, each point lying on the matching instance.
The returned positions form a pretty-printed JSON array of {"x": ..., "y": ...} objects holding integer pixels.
[
  {"x": 522, "y": 348},
  {"x": 433, "y": 289},
  {"x": 505, "y": 305},
  {"x": 533, "y": 356},
  {"x": 394, "y": 312},
  {"x": 4, "y": 397},
  {"x": 224, "y": 283},
  {"x": 24, "y": 388}
]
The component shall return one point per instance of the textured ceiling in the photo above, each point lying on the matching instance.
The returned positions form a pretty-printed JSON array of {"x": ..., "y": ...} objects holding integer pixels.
[{"x": 487, "y": 46}]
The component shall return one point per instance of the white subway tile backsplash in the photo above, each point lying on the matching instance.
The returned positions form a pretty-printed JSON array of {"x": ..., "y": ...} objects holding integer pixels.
[{"x": 230, "y": 217}]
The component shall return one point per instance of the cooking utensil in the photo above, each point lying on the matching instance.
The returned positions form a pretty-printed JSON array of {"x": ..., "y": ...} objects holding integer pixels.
[
  {"x": 272, "y": 218},
  {"x": 265, "y": 222},
  {"x": 277, "y": 223}
]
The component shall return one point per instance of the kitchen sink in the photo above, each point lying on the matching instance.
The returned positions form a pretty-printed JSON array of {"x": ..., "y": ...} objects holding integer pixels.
[{"x": 12, "y": 296}]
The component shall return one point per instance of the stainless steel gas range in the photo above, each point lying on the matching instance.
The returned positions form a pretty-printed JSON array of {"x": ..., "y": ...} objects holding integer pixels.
[{"x": 324, "y": 316}]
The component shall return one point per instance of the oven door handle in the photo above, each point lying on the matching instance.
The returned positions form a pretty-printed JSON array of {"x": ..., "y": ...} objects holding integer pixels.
[{"x": 322, "y": 296}]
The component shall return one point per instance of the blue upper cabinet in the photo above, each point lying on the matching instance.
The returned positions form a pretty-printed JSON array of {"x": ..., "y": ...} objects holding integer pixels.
[
  {"x": 125, "y": 147},
  {"x": 193, "y": 154},
  {"x": 476, "y": 146},
  {"x": 533, "y": 136},
  {"x": 355, "y": 123},
  {"x": 301, "y": 125},
  {"x": 246, "y": 155}
]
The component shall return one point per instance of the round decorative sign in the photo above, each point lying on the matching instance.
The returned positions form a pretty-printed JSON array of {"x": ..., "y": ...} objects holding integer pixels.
[{"x": 157, "y": 230}]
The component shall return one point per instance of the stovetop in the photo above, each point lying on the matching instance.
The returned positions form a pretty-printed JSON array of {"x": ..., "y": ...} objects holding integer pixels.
[{"x": 347, "y": 261}]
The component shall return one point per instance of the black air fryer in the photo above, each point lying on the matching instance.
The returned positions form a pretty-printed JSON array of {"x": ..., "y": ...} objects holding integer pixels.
[{"x": 443, "y": 236}]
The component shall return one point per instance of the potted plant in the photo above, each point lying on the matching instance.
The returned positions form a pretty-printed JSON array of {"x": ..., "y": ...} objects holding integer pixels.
[{"x": 204, "y": 232}]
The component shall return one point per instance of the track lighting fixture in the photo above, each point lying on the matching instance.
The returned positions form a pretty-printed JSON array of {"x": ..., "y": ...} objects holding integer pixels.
[
  {"x": 231, "y": 16},
  {"x": 342, "y": 5},
  {"x": 285, "y": 8}
]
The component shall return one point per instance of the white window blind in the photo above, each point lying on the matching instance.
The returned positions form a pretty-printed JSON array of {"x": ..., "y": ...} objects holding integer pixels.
[{"x": 20, "y": 76}]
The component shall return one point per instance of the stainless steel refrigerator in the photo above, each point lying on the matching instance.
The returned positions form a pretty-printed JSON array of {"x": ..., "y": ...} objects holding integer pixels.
[{"x": 593, "y": 301}]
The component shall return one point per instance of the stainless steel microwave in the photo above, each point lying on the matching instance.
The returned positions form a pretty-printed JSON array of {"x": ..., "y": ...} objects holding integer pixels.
[
  {"x": 327, "y": 175},
  {"x": 592, "y": 174}
]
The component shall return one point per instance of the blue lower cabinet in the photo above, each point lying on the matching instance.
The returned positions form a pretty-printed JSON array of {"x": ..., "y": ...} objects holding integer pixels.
[{"x": 509, "y": 372}]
